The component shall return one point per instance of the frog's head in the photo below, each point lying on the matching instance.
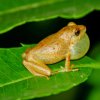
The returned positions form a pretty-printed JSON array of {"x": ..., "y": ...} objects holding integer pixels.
[
  {"x": 79, "y": 40},
  {"x": 76, "y": 31}
]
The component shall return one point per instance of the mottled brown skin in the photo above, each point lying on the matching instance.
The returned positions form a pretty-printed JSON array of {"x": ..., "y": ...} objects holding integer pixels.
[{"x": 52, "y": 49}]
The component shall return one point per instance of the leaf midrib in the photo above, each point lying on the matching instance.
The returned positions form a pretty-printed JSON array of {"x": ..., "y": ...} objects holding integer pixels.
[
  {"x": 16, "y": 81},
  {"x": 29, "y": 6}
]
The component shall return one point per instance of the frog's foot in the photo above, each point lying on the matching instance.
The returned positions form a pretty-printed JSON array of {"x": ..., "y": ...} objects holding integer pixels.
[
  {"x": 64, "y": 69},
  {"x": 40, "y": 75},
  {"x": 68, "y": 67}
]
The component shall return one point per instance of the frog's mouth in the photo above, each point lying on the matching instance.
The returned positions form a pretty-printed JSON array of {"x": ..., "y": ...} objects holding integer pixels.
[{"x": 81, "y": 31}]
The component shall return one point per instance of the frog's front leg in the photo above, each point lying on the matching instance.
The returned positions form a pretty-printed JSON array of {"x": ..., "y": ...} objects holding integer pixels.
[
  {"x": 68, "y": 66},
  {"x": 67, "y": 62},
  {"x": 37, "y": 67}
]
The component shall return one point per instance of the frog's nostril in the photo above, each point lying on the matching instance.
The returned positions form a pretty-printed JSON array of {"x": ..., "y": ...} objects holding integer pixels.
[{"x": 82, "y": 27}]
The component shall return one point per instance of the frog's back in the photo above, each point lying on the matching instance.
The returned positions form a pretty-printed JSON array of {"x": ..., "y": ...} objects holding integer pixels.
[
  {"x": 51, "y": 53},
  {"x": 50, "y": 50}
]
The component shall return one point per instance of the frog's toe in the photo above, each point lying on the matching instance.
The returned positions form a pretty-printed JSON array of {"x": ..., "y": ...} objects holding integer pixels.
[{"x": 63, "y": 69}]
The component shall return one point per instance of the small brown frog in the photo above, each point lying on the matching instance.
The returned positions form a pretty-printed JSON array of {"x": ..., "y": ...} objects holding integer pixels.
[{"x": 69, "y": 43}]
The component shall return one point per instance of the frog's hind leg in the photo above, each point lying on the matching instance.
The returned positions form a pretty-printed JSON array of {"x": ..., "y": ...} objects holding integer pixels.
[
  {"x": 37, "y": 68},
  {"x": 29, "y": 66}
]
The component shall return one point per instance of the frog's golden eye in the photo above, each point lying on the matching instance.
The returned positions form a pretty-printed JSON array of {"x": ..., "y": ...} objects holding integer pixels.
[{"x": 77, "y": 32}]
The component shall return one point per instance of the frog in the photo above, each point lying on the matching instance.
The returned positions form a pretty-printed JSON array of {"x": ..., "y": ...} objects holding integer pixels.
[{"x": 69, "y": 43}]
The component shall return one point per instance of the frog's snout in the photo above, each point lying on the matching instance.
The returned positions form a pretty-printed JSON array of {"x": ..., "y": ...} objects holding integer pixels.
[{"x": 82, "y": 28}]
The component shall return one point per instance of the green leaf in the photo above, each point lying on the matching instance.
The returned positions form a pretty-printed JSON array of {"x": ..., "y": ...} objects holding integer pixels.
[
  {"x": 16, "y": 82},
  {"x": 95, "y": 54},
  {"x": 17, "y": 12},
  {"x": 94, "y": 79},
  {"x": 94, "y": 94}
]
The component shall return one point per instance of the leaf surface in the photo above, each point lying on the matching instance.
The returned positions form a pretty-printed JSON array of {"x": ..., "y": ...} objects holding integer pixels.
[
  {"x": 95, "y": 54},
  {"x": 17, "y": 12},
  {"x": 17, "y": 83}
]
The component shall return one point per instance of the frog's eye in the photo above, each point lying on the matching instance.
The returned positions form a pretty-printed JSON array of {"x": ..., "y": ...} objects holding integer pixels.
[{"x": 77, "y": 32}]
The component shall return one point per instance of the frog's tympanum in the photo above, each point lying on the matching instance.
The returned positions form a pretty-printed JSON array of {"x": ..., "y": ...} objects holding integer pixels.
[{"x": 69, "y": 43}]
